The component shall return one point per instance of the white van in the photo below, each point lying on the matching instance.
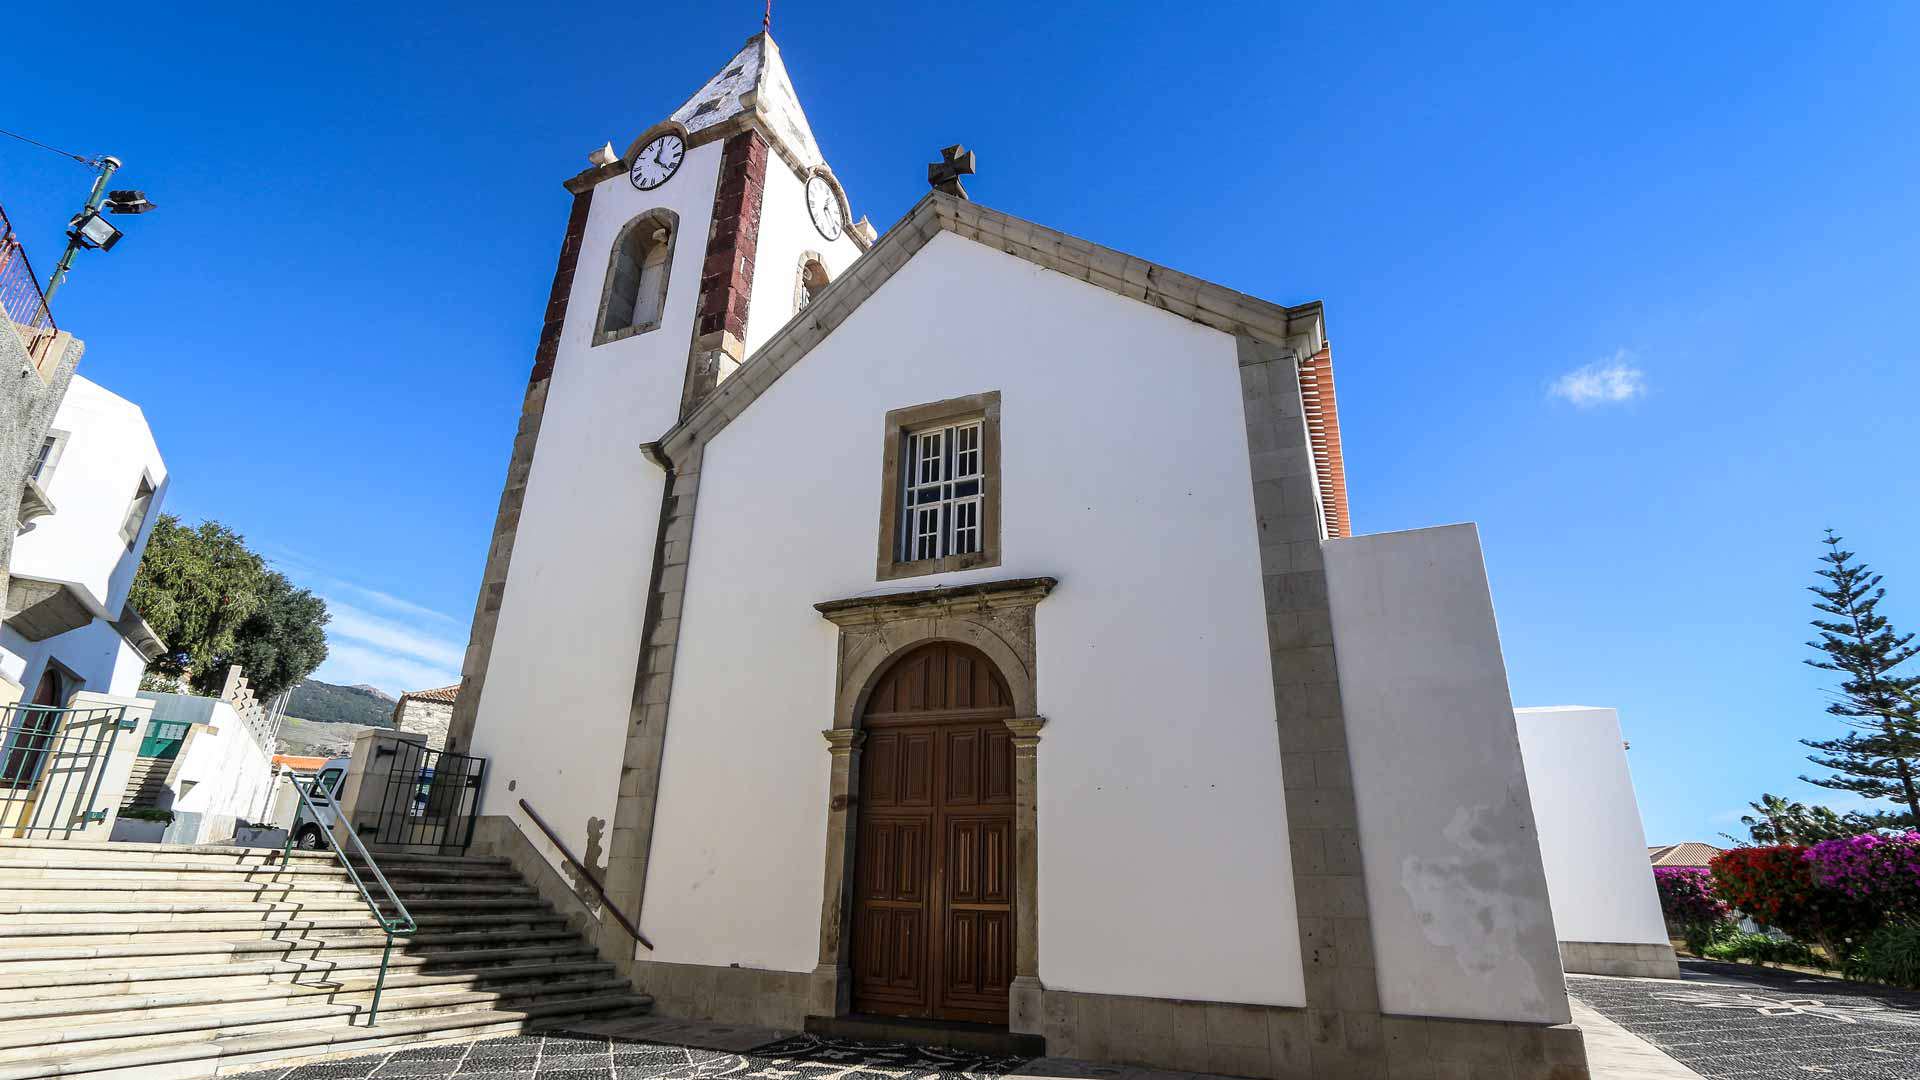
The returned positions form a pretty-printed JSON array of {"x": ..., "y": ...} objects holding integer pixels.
[{"x": 322, "y": 791}]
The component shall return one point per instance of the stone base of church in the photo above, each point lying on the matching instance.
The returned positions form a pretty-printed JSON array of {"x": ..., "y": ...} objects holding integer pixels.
[
  {"x": 1291, "y": 1044},
  {"x": 1619, "y": 958},
  {"x": 776, "y": 999}
]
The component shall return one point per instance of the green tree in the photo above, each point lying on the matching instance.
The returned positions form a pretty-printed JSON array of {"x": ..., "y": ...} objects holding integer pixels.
[
  {"x": 1881, "y": 756},
  {"x": 215, "y": 603},
  {"x": 1779, "y": 820},
  {"x": 284, "y": 638}
]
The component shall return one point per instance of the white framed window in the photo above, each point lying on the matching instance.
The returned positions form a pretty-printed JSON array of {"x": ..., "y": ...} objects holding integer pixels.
[
  {"x": 944, "y": 487},
  {"x": 49, "y": 458}
]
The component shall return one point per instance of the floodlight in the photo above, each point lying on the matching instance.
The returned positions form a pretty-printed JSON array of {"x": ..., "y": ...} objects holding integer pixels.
[{"x": 94, "y": 231}]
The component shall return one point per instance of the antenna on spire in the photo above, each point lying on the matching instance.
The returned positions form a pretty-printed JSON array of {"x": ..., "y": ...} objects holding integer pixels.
[{"x": 766, "y": 21}]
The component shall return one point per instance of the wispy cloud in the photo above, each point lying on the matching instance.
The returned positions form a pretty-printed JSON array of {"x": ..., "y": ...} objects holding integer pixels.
[
  {"x": 1604, "y": 382},
  {"x": 376, "y": 638}
]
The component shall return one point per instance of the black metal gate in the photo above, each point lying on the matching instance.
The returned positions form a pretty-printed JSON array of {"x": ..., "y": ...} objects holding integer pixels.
[
  {"x": 53, "y": 762},
  {"x": 431, "y": 799}
]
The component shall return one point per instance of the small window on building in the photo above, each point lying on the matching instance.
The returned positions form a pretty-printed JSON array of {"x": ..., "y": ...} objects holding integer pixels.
[
  {"x": 940, "y": 510},
  {"x": 137, "y": 512},
  {"x": 48, "y": 458},
  {"x": 635, "y": 295},
  {"x": 813, "y": 281}
]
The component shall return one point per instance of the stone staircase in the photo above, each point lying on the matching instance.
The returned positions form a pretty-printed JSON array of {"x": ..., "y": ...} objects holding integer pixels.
[{"x": 169, "y": 962}]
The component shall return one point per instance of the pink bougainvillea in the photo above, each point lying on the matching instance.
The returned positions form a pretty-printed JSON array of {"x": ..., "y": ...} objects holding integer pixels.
[
  {"x": 1882, "y": 871},
  {"x": 1687, "y": 898}
]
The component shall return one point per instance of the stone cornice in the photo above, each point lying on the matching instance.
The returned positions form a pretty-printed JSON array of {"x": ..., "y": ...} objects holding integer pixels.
[
  {"x": 1299, "y": 328},
  {"x": 920, "y": 603}
]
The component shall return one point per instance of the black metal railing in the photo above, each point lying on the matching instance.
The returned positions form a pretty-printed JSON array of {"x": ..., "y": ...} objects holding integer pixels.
[
  {"x": 20, "y": 294},
  {"x": 431, "y": 798},
  {"x": 53, "y": 762},
  {"x": 396, "y": 923}
]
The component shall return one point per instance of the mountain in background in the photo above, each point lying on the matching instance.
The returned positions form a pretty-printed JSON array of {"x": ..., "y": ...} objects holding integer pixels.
[{"x": 334, "y": 704}]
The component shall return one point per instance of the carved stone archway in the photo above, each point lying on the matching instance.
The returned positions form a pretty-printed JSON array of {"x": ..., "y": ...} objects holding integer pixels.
[{"x": 998, "y": 619}]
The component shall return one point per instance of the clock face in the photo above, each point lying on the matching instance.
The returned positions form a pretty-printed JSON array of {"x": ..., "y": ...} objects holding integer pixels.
[
  {"x": 824, "y": 204},
  {"x": 657, "y": 161}
]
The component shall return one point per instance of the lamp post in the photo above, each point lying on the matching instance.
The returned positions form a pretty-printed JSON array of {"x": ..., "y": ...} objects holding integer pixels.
[{"x": 89, "y": 229}]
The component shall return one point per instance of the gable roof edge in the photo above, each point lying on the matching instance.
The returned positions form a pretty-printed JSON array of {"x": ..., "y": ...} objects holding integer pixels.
[{"x": 1301, "y": 327}]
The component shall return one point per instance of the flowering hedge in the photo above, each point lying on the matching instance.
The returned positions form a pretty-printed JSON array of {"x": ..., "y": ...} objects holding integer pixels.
[
  {"x": 1880, "y": 871},
  {"x": 1687, "y": 898},
  {"x": 1776, "y": 887}
]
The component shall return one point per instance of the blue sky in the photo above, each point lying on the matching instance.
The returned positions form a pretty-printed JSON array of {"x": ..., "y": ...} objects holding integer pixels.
[{"x": 1632, "y": 290}]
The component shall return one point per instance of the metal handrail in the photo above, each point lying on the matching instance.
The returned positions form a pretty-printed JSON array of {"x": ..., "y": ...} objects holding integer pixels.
[
  {"x": 586, "y": 872},
  {"x": 400, "y": 926}
]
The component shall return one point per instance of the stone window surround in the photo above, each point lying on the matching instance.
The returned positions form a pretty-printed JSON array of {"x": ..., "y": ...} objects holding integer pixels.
[
  {"x": 996, "y": 617},
  {"x": 808, "y": 258},
  {"x": 666, "y": 219},
  {"x": 888, "y": 566}
]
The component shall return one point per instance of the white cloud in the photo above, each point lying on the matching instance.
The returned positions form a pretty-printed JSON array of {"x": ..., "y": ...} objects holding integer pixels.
[
  {"x": 1604, "y": 382},
  {"x": 391, "y": 635},
  {"x": 352, "y": 664}
]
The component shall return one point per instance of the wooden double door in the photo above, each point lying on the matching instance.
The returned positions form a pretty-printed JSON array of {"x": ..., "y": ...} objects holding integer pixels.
[{"x": 933, "y": 901}]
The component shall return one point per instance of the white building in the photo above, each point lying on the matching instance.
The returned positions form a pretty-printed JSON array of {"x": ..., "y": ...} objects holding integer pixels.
[
  {"x": 1605, "y": 906},
  {"x": 1127, "y": 743},
  {"x": 96, "y": 489}
]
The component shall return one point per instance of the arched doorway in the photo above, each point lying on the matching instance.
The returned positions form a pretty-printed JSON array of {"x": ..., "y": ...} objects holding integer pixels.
[{"x": 933, "y": 906}]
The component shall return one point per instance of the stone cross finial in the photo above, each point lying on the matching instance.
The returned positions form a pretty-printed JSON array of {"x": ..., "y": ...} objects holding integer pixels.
[{"x": 955, "y": 161}]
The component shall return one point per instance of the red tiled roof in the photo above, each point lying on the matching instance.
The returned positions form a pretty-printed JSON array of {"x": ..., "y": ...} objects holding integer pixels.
[
  {"x": 445, "y": 695},
  {"x": 1323, "y": 433},
  {"x": 298, "y": 763}
]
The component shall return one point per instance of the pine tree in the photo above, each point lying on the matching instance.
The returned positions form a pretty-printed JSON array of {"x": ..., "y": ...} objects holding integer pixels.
[{"x": 1881, "y": 757}]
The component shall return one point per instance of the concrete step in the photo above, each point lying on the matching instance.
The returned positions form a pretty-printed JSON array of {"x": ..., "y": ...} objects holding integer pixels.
[
  {"x": 76, "y": 868},
  {"x": 132, "y": 853},
  {"x": 241, "y": 1052},
  {"x": 134, "y": 887},
  {"x": 49, "y": 1041},
  {"x": 68, "y": 909},
  {"x": 186, "y": 974},
  {"x": 199, "y": 928},
  {"x": 125, "y": 1006},
  {"x": 79, "y": 960}
]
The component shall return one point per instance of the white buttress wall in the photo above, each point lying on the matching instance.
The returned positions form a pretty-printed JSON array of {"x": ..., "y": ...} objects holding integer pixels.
[
  {"x": 1591, "y": 839},
  {"x": 1164, "y": 867},
  {"x": 1462, "y": 926},
  {"x": 552, "y": 719}
]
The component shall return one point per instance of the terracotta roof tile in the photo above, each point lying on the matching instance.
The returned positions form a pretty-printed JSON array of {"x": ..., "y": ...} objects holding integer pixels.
[
  {"x": 445, "y": 695},
  {"x": 1690, "y": 853}
]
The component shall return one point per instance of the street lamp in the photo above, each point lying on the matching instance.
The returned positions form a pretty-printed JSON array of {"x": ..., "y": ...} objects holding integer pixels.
[{"x": 91, "y": 231}]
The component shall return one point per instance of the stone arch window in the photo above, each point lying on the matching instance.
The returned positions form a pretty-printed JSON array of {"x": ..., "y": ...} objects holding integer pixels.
[
  {"x": 634, "y": 298},
  {"x": 810, "y": 281}
]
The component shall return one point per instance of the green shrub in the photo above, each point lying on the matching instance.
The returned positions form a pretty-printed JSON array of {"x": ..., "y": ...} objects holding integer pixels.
[
  {"x": 1891, "y": 956},
  {"x": 148, "y": 813},
  {"x": 1699, "y": 937},
  {"x": 1761, "y": 949}
]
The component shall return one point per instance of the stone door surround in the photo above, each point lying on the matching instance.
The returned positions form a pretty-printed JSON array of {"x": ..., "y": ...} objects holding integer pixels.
[{"x": 995, "y": 617}]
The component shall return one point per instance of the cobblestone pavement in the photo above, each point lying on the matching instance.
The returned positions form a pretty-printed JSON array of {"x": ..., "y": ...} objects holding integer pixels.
[
  {"x": 1737, "y": 1022},
  {"x": 582, "y": 1056}
]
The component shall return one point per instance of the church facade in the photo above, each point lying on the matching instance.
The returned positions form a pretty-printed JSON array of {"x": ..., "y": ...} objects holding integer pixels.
[{"x": 962, "y": 624}]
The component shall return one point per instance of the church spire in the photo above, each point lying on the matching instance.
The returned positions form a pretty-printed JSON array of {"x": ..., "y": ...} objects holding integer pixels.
[{"x": 755, "y": 81}]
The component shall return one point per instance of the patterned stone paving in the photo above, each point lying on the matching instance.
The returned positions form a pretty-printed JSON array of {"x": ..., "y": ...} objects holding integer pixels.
[
  {"x": 575, "y": 1056},
  {"x": 1736, "y": 1022}
]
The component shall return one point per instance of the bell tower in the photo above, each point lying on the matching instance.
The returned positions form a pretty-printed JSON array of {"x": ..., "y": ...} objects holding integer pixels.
[{"x": 682, "y": 256}]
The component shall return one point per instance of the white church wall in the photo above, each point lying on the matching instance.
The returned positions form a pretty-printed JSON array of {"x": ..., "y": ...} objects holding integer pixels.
[
  {"x": 1462, "y": 926},
  {"x": 1591, "y": 839},
  {"x": 1126, "y": 476},
  {"x": 553, "y": 716},
  {"x": 786, "y": 233}
]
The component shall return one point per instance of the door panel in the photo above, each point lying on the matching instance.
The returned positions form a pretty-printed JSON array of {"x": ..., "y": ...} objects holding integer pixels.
[{"x": 933, "y": 905}]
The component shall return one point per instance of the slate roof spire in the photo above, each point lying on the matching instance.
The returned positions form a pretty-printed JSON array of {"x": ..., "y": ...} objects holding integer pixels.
[{"x": 755, "y": 80}]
